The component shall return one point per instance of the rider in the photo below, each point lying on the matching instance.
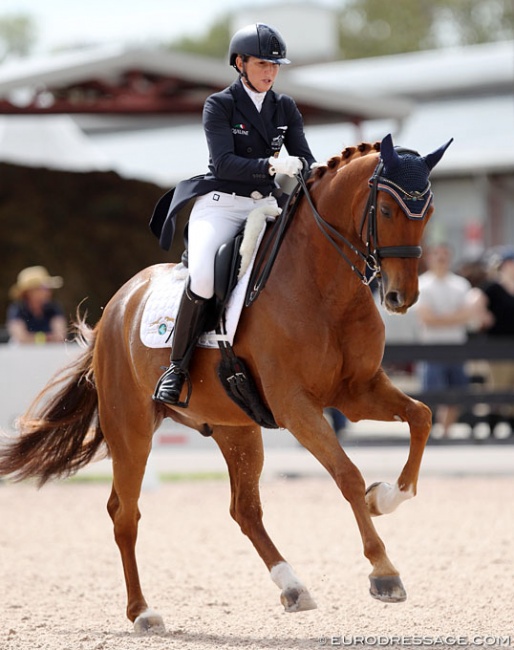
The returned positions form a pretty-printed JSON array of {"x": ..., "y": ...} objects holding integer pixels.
[{"x": 245, "y": 126}]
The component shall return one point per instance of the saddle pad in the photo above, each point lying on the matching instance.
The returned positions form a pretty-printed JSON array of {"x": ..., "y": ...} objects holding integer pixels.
[{"x": 160, "y": 311}]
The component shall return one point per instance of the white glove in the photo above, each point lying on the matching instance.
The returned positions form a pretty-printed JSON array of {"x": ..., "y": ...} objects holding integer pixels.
[{"x": 289, "y": 165}]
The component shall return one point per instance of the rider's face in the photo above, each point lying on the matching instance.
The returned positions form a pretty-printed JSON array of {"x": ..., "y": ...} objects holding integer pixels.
[{"x": 261, "y": 74}]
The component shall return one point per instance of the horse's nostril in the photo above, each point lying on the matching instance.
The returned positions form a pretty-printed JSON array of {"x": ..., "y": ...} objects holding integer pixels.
[{"x": 394, "y": 299}]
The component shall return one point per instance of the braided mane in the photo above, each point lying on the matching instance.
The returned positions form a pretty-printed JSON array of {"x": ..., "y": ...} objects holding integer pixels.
[{"x": 346, "y": 157}]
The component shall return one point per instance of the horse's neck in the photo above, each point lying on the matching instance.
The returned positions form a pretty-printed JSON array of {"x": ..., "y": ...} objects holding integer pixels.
[
  {"x": 320, "y": 276},
  {"x": 330, "y": 262}
]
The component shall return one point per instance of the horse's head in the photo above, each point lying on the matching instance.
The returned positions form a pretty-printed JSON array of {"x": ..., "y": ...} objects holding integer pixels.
[
  {"x": 399, "y": 207},
  {"x": 376, "y": 197}
]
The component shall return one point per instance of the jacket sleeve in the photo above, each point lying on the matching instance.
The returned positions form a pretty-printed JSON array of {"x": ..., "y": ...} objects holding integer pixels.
[{"x": 224, "y": 162}]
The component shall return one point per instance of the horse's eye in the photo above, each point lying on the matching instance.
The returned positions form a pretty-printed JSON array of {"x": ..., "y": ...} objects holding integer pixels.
[{"x": 385, "y": 210}]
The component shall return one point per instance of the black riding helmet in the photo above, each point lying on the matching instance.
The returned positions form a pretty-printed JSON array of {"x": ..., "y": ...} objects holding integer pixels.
[{"x": 259, "y": 40}]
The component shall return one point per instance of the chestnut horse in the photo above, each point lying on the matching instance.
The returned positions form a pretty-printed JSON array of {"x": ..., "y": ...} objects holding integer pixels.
[{"x": 313, "y": 338}]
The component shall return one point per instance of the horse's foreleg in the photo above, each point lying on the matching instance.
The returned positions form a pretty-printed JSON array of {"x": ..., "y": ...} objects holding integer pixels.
[
  {"x": 243, "y": 451},
  {"x": 387, "y": 403},
  {"x": 383, "y": 498},
  {"x": 315, "y": 434}
]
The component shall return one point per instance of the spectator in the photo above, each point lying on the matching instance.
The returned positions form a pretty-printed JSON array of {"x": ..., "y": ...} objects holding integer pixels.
[
  {"x": 33, "y": 316},
  {"x": 496, "y": 303},
  {"x": 443, "y": 310}
]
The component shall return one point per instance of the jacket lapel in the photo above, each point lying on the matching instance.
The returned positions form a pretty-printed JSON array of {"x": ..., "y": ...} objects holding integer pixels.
[{"x": 248, "y": 109}]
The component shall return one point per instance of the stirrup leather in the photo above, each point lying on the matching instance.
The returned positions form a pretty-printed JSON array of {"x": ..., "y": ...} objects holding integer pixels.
[{"x": 169, "y": 387}]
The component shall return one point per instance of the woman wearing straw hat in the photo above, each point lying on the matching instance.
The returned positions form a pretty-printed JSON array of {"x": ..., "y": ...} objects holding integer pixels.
[{"x": 34, "y": 317}]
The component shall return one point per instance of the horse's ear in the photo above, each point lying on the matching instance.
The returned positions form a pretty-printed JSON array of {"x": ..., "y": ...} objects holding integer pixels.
[
  {"x": 433, "y": 158},
  {"x": 388, "y": 153}
]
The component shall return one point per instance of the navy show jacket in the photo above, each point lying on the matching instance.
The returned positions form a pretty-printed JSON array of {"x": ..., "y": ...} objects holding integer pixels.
[{"x": 240, "y": 142}]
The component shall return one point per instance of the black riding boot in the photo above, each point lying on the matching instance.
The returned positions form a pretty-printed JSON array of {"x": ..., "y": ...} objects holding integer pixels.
[{"x": 188, "y": 328}]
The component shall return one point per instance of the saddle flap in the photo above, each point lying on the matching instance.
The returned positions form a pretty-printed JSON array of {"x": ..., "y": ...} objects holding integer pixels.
[{"x": 226, "y": 268}]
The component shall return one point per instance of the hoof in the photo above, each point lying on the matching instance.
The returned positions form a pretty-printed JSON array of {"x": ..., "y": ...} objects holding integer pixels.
[
  {"x": 297, "y": 600},
  {"x": 149, "y": 622},
  {"x": 388, "y": 589}
]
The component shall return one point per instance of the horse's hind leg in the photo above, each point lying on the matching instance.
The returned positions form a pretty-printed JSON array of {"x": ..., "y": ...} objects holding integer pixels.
[
  {"x": 128, "y": 432},
  {"x": 243, "y": 451}
]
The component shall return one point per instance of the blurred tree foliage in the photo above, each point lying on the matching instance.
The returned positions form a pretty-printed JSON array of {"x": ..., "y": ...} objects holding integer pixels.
[
  {"x": 17, "y": 35},
  {"x": 213, "y": 44},
  {"x": 378, "y": 28}
]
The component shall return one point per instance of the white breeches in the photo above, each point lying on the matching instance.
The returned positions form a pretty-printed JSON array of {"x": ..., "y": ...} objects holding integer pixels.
[{"x": 216, "y": 217}]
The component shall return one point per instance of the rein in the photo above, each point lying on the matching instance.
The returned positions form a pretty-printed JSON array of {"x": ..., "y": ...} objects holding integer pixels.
[
  {"x": 261, "y": 270},
  {"x": 332, "y": 235}
]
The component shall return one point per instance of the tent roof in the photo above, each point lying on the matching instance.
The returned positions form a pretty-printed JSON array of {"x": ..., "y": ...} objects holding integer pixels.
[
  {"x": 419, "y": 76},
  {"x": 122, "y": 80},
  {"x": 53, "y": 141}
]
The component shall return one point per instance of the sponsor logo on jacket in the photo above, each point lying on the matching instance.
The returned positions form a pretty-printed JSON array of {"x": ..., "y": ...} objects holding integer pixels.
[{"x": 240, "y": 129}]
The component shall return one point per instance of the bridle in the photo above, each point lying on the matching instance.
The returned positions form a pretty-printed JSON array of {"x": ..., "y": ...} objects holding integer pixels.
[{"x": 373, "y": 254}]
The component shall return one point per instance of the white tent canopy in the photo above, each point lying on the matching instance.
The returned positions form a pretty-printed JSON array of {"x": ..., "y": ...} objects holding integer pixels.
[{"x": 53, "y": 141}]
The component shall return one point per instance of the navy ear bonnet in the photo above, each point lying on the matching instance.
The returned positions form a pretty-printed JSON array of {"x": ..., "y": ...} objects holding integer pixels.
[{"x": 404, "y": 174}]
